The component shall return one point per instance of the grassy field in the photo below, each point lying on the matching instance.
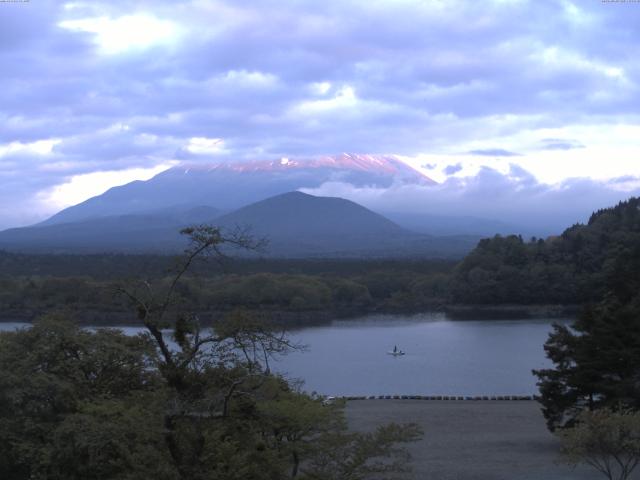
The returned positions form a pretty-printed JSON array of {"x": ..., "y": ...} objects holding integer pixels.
[{"x": 467, "y": 440}]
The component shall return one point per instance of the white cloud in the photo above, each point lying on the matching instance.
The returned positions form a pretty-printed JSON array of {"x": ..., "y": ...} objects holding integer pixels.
[
  {"x": 82, "y": 187},
  {"x": 345, "y": 98},
  {"x": 475, "y": 87},
  {"x": 250, "y": 78},
  {"x": 320, "y": 88},
  {"x": 204, "y": 145},
  {"x": 596, "y": 151},
  {"x": 40, "y": 147},
  {"x": 128, "y": 32},
  {"x": 576, "y": 15},
  {"x": 558, "y": 58},
  {"x": 514, "y": 196}
]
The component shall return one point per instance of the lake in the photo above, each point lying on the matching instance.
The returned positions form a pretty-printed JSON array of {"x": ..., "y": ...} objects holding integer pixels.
[{"x": 443, "y": 357}]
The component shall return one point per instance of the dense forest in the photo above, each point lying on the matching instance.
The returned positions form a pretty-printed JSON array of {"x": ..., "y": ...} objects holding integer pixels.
[
  {"x": 570, "y": 269},
  {"x": 33, "y": 284},
  {"x": 388, "y": 287},
  {"x": 596, "y": 359}
]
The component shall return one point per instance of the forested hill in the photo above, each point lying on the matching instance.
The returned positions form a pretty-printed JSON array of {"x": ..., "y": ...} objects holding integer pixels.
[
  {"x": 575, "y": 268},
  {"x": 570, "y": 269}
]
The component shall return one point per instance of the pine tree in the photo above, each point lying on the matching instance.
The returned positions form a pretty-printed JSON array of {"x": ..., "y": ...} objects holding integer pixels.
[{"x": 597, "y": 359}]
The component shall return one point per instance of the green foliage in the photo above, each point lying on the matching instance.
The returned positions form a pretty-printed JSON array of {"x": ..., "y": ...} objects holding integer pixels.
[
  {"x": 597, "y": 360},
  {"x": 95, "y": 303},
  {"x": 357, "y": 456},
  {"x": 122, "y": 266},
  {"x": 80, "y": 404},
  {"x": 55, "y": 380},
  {"x": 607, "y": 440},
  {"x": 296, "y": 292},
  {"x": 83, "y": 404},
  {"x": 569, "y": 269},
  {"x": 110, "y": 439}
]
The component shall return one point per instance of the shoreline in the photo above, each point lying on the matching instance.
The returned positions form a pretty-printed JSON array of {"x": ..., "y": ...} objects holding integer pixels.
[
  {"x": 502, "y": 311},
  {"x": 454, "y": 312},
  {"x": 440, "y": 398}
]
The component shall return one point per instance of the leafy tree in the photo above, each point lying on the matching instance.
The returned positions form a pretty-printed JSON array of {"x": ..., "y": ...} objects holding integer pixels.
[
  {"x": 607, "y": 440},
  {"x": 357, "y": 456},
  {"x": 60, "y": 389},
  {"x": 223, "y": 397},
  {"x": 195, "y": 404}
]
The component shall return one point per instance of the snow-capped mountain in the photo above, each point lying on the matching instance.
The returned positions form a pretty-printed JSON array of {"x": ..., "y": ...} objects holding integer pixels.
[
  {"x": 296, "y": 225},
  {"x": 230, "y": 185}
]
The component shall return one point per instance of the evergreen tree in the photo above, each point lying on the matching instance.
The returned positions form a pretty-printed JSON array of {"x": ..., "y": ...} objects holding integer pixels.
[
  {"x": 597, "y": 359},
  {"x": 573, "y": 268}
]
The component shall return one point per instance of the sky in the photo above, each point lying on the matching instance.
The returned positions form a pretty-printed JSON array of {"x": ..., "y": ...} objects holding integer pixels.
[{"x": 533, "y": 104}]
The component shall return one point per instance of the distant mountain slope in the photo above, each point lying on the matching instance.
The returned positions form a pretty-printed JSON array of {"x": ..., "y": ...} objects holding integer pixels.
[
  {"x": 235, "y": 184},
  {"x": 296, "y": 225},
  {"x": 156, "y": 231},
  {"x": 455, "y": 225}
]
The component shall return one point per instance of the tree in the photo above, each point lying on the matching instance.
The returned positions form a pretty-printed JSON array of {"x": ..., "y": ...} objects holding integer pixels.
[
  {"x": 194, "y": 404},
  {"x": 568, "y": 269},
  {"x": 78, "y": 404},
  {"x": 607, "y": 440},
  {"x": 597, "y": 359},
  {"x": 357, "y": 456},
  {"x": 227, "y": 412}
]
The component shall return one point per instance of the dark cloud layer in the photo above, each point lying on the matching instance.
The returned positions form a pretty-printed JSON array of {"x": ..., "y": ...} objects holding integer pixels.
[
  {"x": 301, "y": 79},
  {"x": 494, "y": 152},
  {"x": 451, "y": 169},
  {"x": 560, "y": 144}
]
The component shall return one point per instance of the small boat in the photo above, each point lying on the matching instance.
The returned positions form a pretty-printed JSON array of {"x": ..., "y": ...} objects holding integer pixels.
[{"x": 397, "y": 353}]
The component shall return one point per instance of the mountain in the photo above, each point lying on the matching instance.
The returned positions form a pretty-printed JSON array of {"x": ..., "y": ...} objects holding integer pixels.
[
  {"x": 154, "y": 231},
  {"x": 301, "y": 225},
  {"x": 232, "y": 185},
  {"x": 294, "y": 213},
  {"x": 455, "y": 225},
  {"x": 295, "y": 224}
]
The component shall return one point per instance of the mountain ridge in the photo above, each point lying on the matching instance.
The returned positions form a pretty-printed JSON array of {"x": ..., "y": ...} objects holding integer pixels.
[
  {"x": 296, "y": 224},
  {"x": 231, "y": 185}
]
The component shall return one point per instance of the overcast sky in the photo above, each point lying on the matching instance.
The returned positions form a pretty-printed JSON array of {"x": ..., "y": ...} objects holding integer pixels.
[{"x": 539, "y": 95}]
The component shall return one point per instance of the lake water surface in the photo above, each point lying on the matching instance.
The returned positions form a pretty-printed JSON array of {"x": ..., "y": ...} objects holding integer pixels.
[{"x": 443, "y": 357}]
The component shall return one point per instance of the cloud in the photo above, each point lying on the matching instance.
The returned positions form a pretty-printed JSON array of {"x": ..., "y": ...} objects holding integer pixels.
[
  {"x": 559, "y": 144},
  {"x": 121, "y": 85},
  {"x": 204, "y": 145},
  {"x": 80, "y": 187},
  {"x": 515, "y": 197},
  {"x": 493, "y": 152},
  {"x": 117, "y": 35},
  {"x": 452, "y": 169}
]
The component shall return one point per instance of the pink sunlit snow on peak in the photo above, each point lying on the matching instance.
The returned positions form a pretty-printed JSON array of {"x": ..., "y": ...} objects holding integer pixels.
[{"x": 385, "y": 165}]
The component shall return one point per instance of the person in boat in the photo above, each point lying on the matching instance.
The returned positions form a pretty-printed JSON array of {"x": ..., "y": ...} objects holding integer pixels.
[{"x": 395, "y": 349}]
